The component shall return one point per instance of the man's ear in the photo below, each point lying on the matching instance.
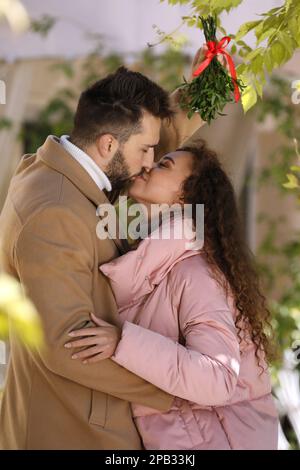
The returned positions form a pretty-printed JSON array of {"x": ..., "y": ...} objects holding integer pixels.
[{"x": 107, "y": 145}]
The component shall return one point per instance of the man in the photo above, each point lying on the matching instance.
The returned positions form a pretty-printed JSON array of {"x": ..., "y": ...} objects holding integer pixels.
[{"x": 49, "y": 242}]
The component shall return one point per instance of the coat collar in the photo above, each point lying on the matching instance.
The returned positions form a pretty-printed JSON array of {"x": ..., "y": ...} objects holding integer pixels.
[
  {"x": 136, "y": 274},
  {"x": 96, "y": 173},
  {"x": 56, "y": 157}
]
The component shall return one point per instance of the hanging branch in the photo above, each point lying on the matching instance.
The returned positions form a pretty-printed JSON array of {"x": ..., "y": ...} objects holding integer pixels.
[{"x": 213, "y": 86}]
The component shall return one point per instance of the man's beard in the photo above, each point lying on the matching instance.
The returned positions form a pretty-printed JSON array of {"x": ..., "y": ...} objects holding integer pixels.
[{"x": 118, "y": 172}]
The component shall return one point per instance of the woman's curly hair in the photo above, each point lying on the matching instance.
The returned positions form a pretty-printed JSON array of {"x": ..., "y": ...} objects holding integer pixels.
[{"x": 225, "y": 250}]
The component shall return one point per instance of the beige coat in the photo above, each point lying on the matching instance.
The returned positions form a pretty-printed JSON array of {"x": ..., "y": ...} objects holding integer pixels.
[{"x": 49, "y": 243}]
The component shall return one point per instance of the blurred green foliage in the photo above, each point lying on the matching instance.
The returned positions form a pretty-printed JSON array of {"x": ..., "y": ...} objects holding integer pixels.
[{"x": 277, "y": 260}]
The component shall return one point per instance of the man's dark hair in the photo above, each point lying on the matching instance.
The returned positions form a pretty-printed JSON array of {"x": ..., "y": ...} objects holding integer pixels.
[{"x": 115, "y": 105}]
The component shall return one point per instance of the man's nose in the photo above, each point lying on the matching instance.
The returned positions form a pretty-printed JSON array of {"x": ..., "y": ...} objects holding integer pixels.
[{"x": 149, "y": 159}]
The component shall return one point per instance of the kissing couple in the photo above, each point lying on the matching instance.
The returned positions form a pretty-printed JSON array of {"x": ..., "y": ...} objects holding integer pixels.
[{"x": 150, "y": 345}]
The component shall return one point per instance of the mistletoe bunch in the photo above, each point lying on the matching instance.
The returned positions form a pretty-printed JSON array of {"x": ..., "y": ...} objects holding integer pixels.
[{"x": 213, "y": 86}]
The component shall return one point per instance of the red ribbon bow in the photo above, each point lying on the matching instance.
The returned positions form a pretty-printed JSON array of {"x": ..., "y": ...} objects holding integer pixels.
[{"x": 215, "y": 48}]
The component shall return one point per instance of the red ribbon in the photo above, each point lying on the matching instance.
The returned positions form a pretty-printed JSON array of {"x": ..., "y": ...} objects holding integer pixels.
[{"x": 215, "y": 48}]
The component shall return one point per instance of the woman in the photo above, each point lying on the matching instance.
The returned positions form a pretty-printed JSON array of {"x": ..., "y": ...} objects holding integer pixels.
[{"x": 194, "y": 322}]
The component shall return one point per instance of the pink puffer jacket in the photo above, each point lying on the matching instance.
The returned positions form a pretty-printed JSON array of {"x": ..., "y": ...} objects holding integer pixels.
[{"x": 179, "y": 334}]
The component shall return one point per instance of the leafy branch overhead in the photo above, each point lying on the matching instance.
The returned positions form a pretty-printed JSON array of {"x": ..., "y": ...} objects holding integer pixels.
[
  {"x": 213, "y": 86},
  {"x": 277, "y": 34}
]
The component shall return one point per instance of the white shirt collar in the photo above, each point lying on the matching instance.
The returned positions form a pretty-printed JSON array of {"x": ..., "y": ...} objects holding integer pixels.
[{"x": 87, "y": 163}]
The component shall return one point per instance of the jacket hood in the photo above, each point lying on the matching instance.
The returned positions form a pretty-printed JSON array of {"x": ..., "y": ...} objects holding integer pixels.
[{"x": 136, "y": 273}]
